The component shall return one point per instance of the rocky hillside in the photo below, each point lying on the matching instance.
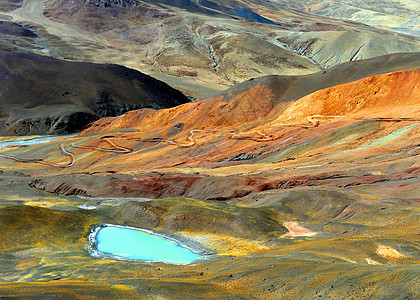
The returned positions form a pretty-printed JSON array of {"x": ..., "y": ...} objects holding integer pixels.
[{"x": 42, "y": 95}]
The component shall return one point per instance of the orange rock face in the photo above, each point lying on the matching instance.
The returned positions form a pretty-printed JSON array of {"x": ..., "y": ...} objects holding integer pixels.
[{"x": 387, "y": 95}]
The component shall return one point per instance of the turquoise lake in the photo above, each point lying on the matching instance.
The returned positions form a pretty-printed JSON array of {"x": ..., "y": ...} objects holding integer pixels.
[{"x": 134, "y": 244}]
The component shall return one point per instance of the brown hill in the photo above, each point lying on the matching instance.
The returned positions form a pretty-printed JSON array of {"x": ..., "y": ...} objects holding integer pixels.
[
  {"x": 262, "y": 99},
  {"x": 245, "y": 127},
  {"x": 42, "y": 95}
]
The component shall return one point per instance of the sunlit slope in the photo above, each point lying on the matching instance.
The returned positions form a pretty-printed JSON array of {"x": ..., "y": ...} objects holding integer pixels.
[{"x": 329, "y": 48}]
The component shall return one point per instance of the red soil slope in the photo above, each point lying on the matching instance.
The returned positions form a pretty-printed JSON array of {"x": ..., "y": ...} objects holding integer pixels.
[{"x": 390, "y": 95}]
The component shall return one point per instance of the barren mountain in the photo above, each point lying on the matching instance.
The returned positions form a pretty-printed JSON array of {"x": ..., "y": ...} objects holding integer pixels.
[
  {"x": 383, "y": 13},
  {"x": 202, "y": 47},
  {"x": 43, "y": 95}
]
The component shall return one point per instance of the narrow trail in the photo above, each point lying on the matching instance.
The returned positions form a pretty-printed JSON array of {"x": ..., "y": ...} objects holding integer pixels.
[
  {"x": 124, "y": 150},
  {"x": 315, "y": 123},
  {"x": 191, "y": 141},
  {"x": 63, "y": 150},
  {"x": 117, "y": 149}
]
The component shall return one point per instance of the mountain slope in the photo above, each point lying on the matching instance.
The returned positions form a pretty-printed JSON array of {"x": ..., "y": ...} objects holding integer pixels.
[
  {"x": 255, "y": 114},
  {"x": 41, "y": 95},
  {"x": 331, "y": 48}
]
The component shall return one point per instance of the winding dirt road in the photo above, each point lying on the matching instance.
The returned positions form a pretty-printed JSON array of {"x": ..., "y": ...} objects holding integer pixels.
[
  {"x": 315, "y": 123},
  {"x": 190, "y": 140},
  {"x": 117, "y": 149},
  {"x": 63, "y": 150}
]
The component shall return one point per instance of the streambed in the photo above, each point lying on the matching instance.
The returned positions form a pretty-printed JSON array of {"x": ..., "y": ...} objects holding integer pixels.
[{"x": 407, "y": 31}]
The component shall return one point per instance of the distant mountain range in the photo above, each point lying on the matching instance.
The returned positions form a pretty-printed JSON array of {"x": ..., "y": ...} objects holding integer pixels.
[{"x": 202, "y": 47}]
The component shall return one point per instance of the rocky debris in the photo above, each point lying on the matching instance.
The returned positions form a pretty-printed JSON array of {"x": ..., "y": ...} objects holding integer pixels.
[
  {"x": 9, "y": 5},
  {"x": 60, "y": 189},
  {"x": 239, "y": 157},
  {"x": 53, "y": 125},
  {"x": 152, "y": 185},
  {"x": 12, "y": 173},
  {"x": 319, "y": 26}
]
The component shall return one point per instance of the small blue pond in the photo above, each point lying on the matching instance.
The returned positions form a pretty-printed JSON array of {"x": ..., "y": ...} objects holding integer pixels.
[{"x": 133, "y": 244}]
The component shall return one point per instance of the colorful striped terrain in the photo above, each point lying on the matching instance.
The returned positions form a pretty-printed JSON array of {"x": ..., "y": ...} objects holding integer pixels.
[{"x": 304, "y": 187}]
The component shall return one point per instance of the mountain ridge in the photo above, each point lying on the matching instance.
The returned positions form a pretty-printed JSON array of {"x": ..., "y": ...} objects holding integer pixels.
[{"x": 196, "y": 51}]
